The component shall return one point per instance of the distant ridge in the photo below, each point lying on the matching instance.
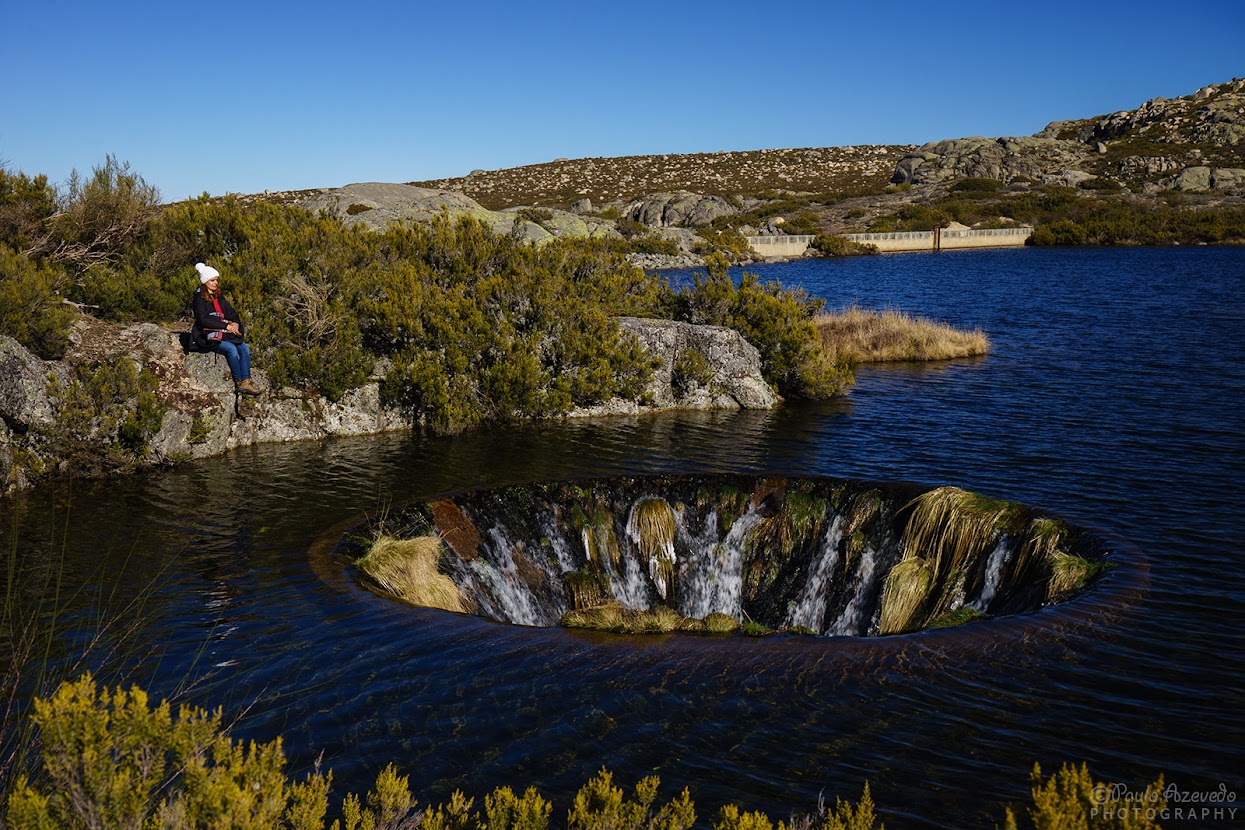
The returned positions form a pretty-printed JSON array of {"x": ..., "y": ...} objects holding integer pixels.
[{"x": 561, "y": 183}]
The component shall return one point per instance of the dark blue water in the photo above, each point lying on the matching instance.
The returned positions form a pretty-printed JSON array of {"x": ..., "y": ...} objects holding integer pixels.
[{"x": 1112, "y": 396}]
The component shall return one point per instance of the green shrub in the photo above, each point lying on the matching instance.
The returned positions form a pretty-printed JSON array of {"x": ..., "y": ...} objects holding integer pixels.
[
  {"x": 113, "y": 404},
  {"x": 110, "y": 759},
  {"x": 102, "y": 216},
  {"x": 31, "y": 310},
  {"x": 977, "y": 185},
  {"x": 778, "y": 321},
  {"x": 536, "y": 215},
  {"x": 1102, "y": 185},
  {"x": 1071, "y": 798},
  {"x": 500, "y": 329},
  {"x": 654, "y": 245},
  {"x": 25, "y": 206},
  {"x": 804, "y": 222},
  {"x": 728, "y": 241},
  {"x": 690, "y": 371},
  {"x": 599, "y": 805},
  {"x": 1063, "y": 232},
  {"x": 834, "y": 245}
]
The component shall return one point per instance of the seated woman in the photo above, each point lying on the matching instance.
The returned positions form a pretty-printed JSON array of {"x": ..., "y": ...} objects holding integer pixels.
[{"x": 218, "y": 328}]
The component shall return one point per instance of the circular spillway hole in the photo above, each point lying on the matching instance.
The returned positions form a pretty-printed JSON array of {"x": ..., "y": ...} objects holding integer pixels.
[{"x": 726, "y": 553}]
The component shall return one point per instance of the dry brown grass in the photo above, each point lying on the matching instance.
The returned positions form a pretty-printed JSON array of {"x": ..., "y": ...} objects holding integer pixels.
[
  {"x": 407, "y": 568},
  {"x": 866, "y": 336}
]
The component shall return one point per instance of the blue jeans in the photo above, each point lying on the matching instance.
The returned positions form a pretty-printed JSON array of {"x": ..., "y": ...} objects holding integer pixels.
[{"x": 238, "y": 356}]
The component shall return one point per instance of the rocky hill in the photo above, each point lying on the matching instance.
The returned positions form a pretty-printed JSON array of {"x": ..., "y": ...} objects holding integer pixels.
[
  {"x": 1192, "y": 145},
  {"x": 606, "y": 182}
]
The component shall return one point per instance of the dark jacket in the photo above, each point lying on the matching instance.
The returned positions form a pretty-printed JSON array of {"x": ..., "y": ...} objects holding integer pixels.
[{"x": 207, "y": 320}]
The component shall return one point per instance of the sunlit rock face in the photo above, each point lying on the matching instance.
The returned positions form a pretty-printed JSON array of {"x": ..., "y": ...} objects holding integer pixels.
[{"x": 706, "y": 553}]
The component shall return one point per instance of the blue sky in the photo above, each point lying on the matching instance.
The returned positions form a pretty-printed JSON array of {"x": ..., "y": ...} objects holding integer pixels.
[{"x": 250, "y": 96}]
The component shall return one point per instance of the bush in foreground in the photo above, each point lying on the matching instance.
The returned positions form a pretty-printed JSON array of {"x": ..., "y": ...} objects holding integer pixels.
[{"x": 112, "y": 760}]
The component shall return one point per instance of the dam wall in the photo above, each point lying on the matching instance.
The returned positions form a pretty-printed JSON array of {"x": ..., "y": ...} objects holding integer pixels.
[
  {"x": 775, "y": 246},
  {"x": 943, "y": 239},
  {"x": 939, "y": 239}
]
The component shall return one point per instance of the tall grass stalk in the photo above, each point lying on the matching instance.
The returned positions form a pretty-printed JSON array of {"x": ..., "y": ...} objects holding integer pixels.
[{"x": 51, "y": 631}]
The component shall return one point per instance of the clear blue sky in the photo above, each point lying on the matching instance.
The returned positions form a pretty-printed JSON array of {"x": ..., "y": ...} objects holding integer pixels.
[{"x": 245, "y": 96}]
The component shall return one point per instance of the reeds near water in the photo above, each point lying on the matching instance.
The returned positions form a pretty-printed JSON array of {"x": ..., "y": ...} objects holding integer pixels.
[
  {"x": 862, "y": 335},
  {"x": 407, "y": 568}
]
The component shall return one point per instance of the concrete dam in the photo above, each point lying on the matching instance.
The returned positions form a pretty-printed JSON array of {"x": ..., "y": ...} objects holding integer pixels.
[{"x": 939, "y": 239}]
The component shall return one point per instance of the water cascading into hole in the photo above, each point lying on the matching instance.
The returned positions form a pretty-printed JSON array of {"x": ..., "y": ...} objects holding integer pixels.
[{"x": 707, "y": 553}]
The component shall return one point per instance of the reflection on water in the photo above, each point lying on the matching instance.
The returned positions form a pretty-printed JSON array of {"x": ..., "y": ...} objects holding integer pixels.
[{"x": 1076, "y": 411}]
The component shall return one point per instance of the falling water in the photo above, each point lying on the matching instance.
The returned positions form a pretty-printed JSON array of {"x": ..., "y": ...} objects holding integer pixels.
[{"x": 809, "y": 609}]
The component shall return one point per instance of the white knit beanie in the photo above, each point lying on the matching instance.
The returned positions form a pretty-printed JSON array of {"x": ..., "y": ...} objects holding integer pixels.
[{"x": 206, "y": 272}]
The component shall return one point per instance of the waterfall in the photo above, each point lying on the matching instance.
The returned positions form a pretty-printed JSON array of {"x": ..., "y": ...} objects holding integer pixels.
[
  {"x": 659, "y": 542},
  {"x": 712, "y": 580},
  {"x": 503, "y": 595},
  {"x": 851, "y": 622},
  {"x": 999, "y": 557},
  {"x": 809, "y": 609}
]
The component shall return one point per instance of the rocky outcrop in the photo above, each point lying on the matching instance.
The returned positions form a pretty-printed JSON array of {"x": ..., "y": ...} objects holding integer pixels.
[
  {"x": 1200, "y": 179},
  {"x": 1003, "y": 159},
  {"x": 24, "y": 400},
  {"x": 375, "y": 205},
  {"x": 681, "y": 209},
  {"x": 1187, "y": 143},
  {"x": 702, "y": 367},
  {"x": 195, "y": 393},
  {"x": 41, "y": 422},
  {"x": 1214, "y": 115}
]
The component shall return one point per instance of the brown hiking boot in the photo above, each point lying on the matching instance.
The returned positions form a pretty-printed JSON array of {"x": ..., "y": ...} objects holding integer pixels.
[{"x": 245, "y": 387}]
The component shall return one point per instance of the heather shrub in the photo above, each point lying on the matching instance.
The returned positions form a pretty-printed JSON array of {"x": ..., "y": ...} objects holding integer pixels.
[
  {"x": 31, "y": 309},
  {"x": 833, "y": 245},
  {"x": 1072, "y": 798},
  {"x": 498, "y": 329},
  {"x": 778, "y": 321},
  {"x": 977, "y": 185},
  {"x": 25, "y": 206}
]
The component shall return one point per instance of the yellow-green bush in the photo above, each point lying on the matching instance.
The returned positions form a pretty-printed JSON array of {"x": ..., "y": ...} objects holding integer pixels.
[
  {"x": 599, "y": 805},
  {"x": 31, "y": 310},
  {"x": 1072, "y": 798},
  {"x": 110, "y": 759},
  {"x": 777, "y": 320}
]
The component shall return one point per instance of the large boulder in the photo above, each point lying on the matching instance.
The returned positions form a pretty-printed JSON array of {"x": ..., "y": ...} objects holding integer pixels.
[
  {"x": 1201, "y": 179},
  {"x": 702, "y": 367},
  {"x": 679, "y": 209},
  {"x": 376, "y": 204},
  {"x": 24, "y": 400}
]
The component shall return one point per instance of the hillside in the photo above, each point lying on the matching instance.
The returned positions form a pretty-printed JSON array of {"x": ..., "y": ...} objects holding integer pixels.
[
  {"x": 561, "y": 183},
  {"x": 1169, "y": 171}
]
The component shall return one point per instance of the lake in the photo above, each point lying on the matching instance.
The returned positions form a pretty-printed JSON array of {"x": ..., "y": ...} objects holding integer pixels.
[{"x": 1112, "y": 397}]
